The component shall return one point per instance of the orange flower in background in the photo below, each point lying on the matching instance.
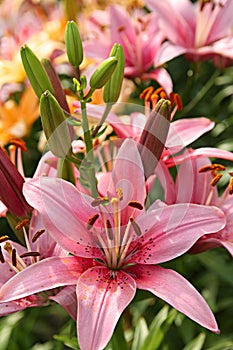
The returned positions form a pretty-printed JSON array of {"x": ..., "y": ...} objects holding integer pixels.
[{"x": 17, "y": 119}]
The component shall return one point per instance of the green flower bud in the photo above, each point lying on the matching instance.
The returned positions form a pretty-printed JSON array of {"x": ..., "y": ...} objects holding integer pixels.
[
  {"x": 112, "y": 88},
  {"x": 103, "y": 73},
  {"x": 74, "y": 48},
  {"x": 35, "y": 71},
  {"x": 55, "y": 125}
]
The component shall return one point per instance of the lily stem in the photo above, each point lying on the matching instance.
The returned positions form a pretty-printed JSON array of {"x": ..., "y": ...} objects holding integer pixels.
[{"x": 89, "y": 149}]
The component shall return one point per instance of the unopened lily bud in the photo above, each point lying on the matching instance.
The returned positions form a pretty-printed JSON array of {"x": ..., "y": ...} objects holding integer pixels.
[
  {"x": 55, "y": 125},
  {"x": 112, "y": 88},
  {"x": 11, "y": 185},
  {"x": 74, "y": 48},
  {"x": 103, "y": 73},
  {"x": 154, "y": 135},
  {"x": 35, "y": 71}
]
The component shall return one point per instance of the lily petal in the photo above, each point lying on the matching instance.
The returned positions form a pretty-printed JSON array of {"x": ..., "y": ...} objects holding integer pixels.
[
  {"x": 67, "y": 299},
  {"x": 176, "y": 291},
  {"x": 58, "y": 201},
  {"x": 128, "y": 175},
  {"x": 177, "y": 227},
  {"x": 46, "y": 274},
  {"x": 17, "y": 305},
  {"x": 193, "y": 187},
  {"x": 101, "y": 300},
  {"x": 162, "y": 77},
  {"x": 185, "y": 131},
  {"x": 210, "y": 152}
]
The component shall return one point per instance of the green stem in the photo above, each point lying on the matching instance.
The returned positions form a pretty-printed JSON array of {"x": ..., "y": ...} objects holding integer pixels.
[
  {"x": 201, "y": 94},
  {"x": 89, "y": 149},
  {"x": 108, "y": 108}
]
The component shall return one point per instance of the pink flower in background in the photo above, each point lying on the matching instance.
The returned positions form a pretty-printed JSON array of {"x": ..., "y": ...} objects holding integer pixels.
[
  {"x": 141, "y": 39},
  {"x": 121, "y": 242},
  {"x": 195, "y": 187},
  {"x": 201, "y": 29}
]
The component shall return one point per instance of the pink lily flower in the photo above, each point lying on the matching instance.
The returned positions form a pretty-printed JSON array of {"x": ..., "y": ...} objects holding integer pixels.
[
  {"x": 15, "y": 258},
  {"x": 141, "y": 39},
  {"x": 121, "y": 242},
  {"x": 200, "y": 29},
  {"x": 194, "y": 187}
]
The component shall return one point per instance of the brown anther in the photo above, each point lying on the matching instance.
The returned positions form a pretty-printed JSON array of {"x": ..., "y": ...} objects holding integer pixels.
[
  {"x": 37, "y": 234},
  {"x": 172, "y": 98},
  {"x": 21, "y": 224},
  {"x": 1, "y": 256},
  {"x": 98, "y": 201},
  {"x": 144, "y": 93},
  {"x": 154, "y": 97},
  {"x": 136, "y": 228},
  {"x": 211, "y": 167},
  {"x": 4, "y": 238},
  {"x": 215, "y": 180},
  {"x": 25, "y": 255},
  {"x": 13, "y": 257},
  {"x": 159, "y": 91},
  {"x": 109, "y": 229},
  {"x": 163, "y": 95},
  {"x": 205, "y": 168},
  {"x": 218, "y": 167},
  {"x": 230, "y": 173},
  {"x": 135, "y": 204},
  {"x": 178, "y": 102},
  {"x": 147, "y": 97},
  {"x": 230, "y": 186},
  {"x": 203, "y": 3},
  {"x": 18, "y": 143},
  {"x": 121, "y": 28},
  {"x": 92, "y": 220}
]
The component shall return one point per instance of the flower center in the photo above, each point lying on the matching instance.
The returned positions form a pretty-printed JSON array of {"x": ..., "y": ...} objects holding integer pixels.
[
  {"x": 114, "y": 238},
  {"x": 9, "y": 254}
]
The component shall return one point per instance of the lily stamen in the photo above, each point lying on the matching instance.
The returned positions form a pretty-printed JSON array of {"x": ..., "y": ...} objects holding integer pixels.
[
  {"x": 21, "y": 224},
  {"x": 215, "y": 180},
  {"x": 135, "y": 204},
  {"x": 37, "y": 235},
  {"x": 211, "y": 167},
  {"x": 15, "y": 261},
  {"x": 29, "y": 254},
  {"x": 92, "y": 220},
  {"x": 2, "y": 259},
  {"x": 4, "y": 238},
  {"x": 230, "y": 186}
]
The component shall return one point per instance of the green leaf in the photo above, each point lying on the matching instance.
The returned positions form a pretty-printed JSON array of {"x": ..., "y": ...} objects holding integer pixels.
[
  {"x": 218, "y": 265},
  {"x": 197, "y": 343},
  {"x": 7, "y": 325},
  {"x": 118, "y": 341},
  {"x": 140, "y": 334},
  {"x": 159, "y": 328},
  {"x": 223, "y": 344},
  {"x": 70, "y": 342}
]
